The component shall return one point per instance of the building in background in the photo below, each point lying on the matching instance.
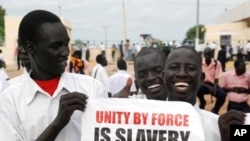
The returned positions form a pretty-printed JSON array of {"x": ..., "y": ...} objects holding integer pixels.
[{"x": 232, "y": 27}]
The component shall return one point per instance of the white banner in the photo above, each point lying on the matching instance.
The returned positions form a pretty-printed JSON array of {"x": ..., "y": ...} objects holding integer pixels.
[{"x": 140, "y": 120}]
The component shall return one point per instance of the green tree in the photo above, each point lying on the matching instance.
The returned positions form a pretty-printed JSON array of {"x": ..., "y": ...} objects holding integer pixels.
[
  {"x": 191, "y": 33},
  {"x": 2, "y": 14},
  {"x": 78, "y": 43}
]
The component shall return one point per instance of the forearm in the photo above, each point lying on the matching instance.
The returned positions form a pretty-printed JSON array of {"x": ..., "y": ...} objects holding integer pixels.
[{"x": 50, "y": 133}]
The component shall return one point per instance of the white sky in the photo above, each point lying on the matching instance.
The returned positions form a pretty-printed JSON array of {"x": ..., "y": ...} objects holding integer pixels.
[{"x": 164, "y": 19}]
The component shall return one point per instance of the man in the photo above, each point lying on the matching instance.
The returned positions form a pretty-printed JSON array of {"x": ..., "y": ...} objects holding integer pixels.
[
  {"x": 237, "y": 84},
  {"x": 213, "y": 70},
  {"x": 47, "y": 105},
  {"x": 182, "y": 77},
  {"x": 248, "y": 50},
  {"x": 222, "y": 57},
  {"x": 121, "y": 50},
  {"x": 117, "y": 81},
  {"x": 99, "y": 71},
  {"x": 148, "y": 67}
]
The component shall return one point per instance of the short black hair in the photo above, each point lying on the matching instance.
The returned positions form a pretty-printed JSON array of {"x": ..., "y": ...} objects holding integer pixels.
[
  {"x": 99, "y": 58},
  {"x": 148, "y": 50},
  {"x": 121, "y": 64},
  {"x": 190, "y": 48},
  {"x": 31, "y": 22},
  {"x": 238, "y": 62}
]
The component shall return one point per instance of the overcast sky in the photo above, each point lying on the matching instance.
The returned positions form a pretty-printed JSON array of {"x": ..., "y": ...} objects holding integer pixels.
[{"x": 163, "y": 19}]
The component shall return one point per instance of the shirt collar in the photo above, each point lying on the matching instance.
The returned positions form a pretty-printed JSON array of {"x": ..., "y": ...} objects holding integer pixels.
[{"x": 31, "y": 88}]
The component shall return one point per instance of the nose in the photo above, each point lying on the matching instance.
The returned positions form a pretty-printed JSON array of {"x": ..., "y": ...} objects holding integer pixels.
[
  {"x": 150, "y": 76},
  {"x": 181, "y": 72},
  {"x": 65, "y": 52}
]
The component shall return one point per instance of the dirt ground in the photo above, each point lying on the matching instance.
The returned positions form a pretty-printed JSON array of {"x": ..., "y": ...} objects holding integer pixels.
[{"x": 111, "y": 68}]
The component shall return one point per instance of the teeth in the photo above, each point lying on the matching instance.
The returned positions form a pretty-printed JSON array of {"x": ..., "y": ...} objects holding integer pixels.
[
  {"x": 181, "y": 84},
  {"x": 154, "y": 86}
]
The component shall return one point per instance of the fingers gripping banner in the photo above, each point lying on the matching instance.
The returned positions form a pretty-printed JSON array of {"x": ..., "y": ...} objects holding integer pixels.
[{"x": 140, "y": 120}]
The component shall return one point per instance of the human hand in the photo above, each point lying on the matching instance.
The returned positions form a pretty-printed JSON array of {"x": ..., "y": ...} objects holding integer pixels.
[
  {"x": 232, "y": 117},
  {"x": 68, "y": 104}
]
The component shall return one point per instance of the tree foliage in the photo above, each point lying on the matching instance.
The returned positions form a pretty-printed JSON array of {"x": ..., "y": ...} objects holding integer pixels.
[
  {"x": 2, "y": 14},
  {"x": 78, "y": 43},
  {"x": 191, "y": 33}
]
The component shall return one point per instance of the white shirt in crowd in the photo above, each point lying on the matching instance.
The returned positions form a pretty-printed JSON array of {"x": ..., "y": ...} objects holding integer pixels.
[
  {"x": 100, "y": 73},
  {"x": 118, "y": 81},
  {"x": 28, "y": 110}
]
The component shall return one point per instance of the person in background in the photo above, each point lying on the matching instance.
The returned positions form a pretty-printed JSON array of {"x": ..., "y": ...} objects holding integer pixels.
[
  {"x": 117, "y": 81},
  {"x": 113, "y": 51},
  {"x": 182, "y": 77},
  {"x": 237, "y": 85},
  {"x": 99, "y": 72},
  {"x": 248, "y": 50},
  {"x": 102, "y": 47},
  {"x": 76, "y": 65},
  {"x": 121, "y": 50},
  {"x": 133, "y": 51},
  {"x": 127, "y": 50},
  {"x": 230, "y": 50},
  {"x": 213, "y": 71},
  {"x": 222, "y": 57}
]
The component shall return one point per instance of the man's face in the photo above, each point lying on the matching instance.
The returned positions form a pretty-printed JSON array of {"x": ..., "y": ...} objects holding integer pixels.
[
  {"x": 148, "y": 74},
  {"x": 51, "y": 49},
  {"x": 182, "y": 75}
]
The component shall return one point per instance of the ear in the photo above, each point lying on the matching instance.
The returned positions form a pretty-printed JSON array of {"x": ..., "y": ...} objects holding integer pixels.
[{"x": 29, "y": 47}]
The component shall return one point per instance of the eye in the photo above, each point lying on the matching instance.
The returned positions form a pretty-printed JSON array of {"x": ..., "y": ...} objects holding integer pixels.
[
  {"x": 158, "y": 69},
  {"x": 141, "y": 74},
  {"x": 56, "y": 45},
  {"x": 191, "y": 67},
  {"x": 172, "y": 66}
]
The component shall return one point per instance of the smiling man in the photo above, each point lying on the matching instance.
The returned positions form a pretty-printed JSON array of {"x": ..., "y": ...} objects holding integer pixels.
[
  {"x": 182, "y": 77},
  {"x": 148, "y": 66}
]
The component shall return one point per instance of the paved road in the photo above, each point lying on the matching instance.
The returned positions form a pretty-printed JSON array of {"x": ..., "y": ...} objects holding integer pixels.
[{"x": 111, "y": 68}]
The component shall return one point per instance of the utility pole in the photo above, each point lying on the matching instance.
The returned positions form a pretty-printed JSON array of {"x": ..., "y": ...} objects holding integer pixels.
[
  {"x": 105, "y": 35},
  {"x": 197, "y": 25},
  {"x": 124, "y": 21}
]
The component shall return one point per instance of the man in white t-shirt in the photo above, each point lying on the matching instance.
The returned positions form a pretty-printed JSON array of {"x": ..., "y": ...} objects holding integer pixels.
[
  {"x": 117, "y": 81},
  {"x": 99, "y": 72}
]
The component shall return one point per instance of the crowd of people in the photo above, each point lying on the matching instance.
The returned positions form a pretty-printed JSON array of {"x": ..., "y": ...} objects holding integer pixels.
[{"x": 46, "y": 102}]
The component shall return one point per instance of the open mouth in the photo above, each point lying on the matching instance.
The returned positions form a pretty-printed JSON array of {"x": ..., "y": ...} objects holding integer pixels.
[
  {"x": 181, "y": 86},
  {"x": 154, "y": 86}
]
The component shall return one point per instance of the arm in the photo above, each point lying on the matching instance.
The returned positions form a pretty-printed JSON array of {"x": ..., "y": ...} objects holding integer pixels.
[{"x": 68, "y": 104}]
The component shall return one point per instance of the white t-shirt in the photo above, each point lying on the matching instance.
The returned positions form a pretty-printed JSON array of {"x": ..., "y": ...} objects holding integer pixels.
[
  {"x": 100, "y": 73},
  {"x": 28, "y": 109},
  {"x": 210, "y": 124},
  {"x": 118, "y": 81}
]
